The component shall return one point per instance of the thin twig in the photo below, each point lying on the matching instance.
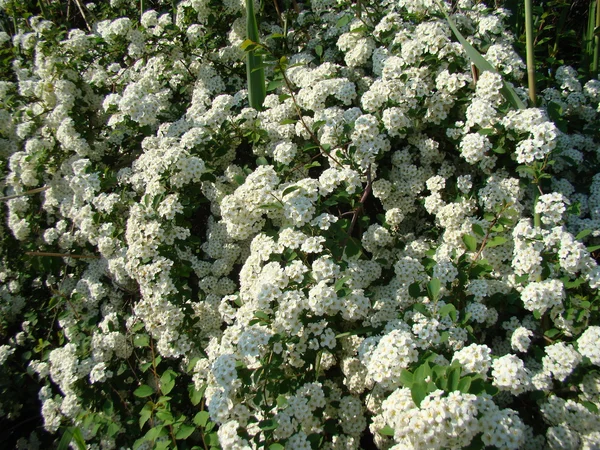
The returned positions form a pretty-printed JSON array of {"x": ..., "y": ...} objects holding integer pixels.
[
  {"x": 306, "y": 127},
  {"x": 78, "y": 3},
  {"x": 487, "y": 234},
  {"x": 359, "y": 208},
  {"x": 62, "y": 255},
  {"x": 31, "y": 192}
]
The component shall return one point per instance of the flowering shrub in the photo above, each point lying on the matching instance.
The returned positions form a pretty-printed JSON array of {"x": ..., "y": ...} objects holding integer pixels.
[{"x": 385, "y": 255}]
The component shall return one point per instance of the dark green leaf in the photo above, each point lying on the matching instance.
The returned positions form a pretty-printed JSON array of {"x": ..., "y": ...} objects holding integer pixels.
[
  {"x": 414, "y": 290},
  {"x": 267, "y": 425},
  {"x": 478, "y": 229}
]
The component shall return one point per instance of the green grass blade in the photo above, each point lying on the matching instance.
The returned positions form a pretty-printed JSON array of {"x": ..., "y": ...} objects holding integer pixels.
[
  {"x": 254, "y": 66},
  {"x": 482, "y": 64}
]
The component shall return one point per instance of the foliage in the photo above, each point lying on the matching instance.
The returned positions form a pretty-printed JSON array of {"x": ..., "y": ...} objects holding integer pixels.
[{"x": 386, "y": 250}]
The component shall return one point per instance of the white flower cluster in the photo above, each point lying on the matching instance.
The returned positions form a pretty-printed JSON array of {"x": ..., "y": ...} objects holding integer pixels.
[{"x": 543, "y": 295}]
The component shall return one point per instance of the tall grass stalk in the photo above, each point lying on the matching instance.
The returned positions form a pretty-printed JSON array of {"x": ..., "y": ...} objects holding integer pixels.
[
  {"x": 589, "y": 41},
  {"x": 255, "y": 71},
  {"x": 596, "y": 40},
  {"x": 530, "y": 55}
]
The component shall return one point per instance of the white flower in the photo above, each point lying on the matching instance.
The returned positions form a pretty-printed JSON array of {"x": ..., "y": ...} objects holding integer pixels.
[
  {"x": 520, "y": 339},
  {"x": 588, "y": 344}
]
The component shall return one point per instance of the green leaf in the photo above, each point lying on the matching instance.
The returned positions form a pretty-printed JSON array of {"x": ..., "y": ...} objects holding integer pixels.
[
  {"x": 319, "y": 50},
  {"x": 420, "y": 307},
  {"x": 112, "y": 430},
  {"x": 583, "y": 234},
  {"x": 281, "y": 401},
  {"x": 555, "y": 112},
  {"x": 276, "y": 446},
  {"x": 447, "y": 309},
  {"x": 478, "y": 229},
  {"x": 422, "y": 372},
  {"x": 418, "y": 392},
  {"x": 352, "y": 249},
  {"x": 195, "y": 394},
  {"x": 268, "y": 424},
  {"x": 482, "y": 64},
  {"x": 343, "y": 21},
  {"x": 470, "y": 242},
  {"x": 312, "y": 164},
  {"x": 201, "y": 419},
  {"x": 184, "y": 431},
  {"x": 496, "y": 241},
  {"x": 340, "y": 283},
  {"x": 154, "y": 433},
  {"x": 143, "y": 391},
  {"x": 590, "y": 406},
  {"x": 386, "y": 431},
  {"x": 65, "y": 440},
  {"x": 145, "y": 414},
  {"x": 551, "y": 332},
  {"x": 593, "y": 248},
  {"x": 289, "y": 190},
  {"x": 406, "y": 378},
  {"x": 453, "y": 379},
  {"x": 433, "y": 288},
  {"x": 262, "y": 161},
  {"x": 166, "y": 416},
  {"x": 414, "y": 290},
  {"x": 261, "y": 315},
  {"x": 167, "y": 381},
  {"x": 274, "y": 84},
  {"x": 464, "y": 384}
]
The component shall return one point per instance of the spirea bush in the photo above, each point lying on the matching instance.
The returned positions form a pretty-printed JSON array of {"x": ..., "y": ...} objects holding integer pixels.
[{"x": 388, "y": 254}]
